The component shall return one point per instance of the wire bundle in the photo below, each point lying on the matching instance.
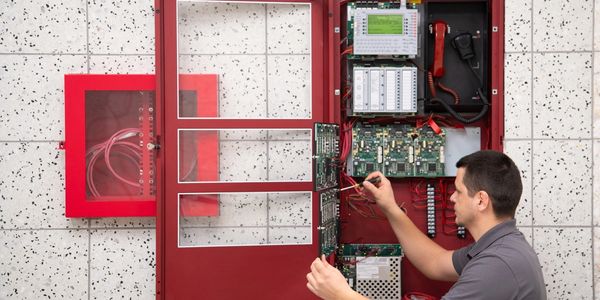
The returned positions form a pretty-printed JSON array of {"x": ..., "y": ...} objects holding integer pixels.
[{"x": 131, "y": 151}]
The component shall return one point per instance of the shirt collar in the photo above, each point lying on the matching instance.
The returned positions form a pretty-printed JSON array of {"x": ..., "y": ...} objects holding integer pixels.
[{"x": 491, "y": 236}]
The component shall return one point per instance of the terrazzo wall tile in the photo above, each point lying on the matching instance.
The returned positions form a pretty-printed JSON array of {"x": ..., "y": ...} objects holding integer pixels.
[
  {"x": 243, "y": 209},
  {"x": 517, "y": 95},
  {"x": 289, "y": 88},
  {"x": 596, "y": 26},
  {"x": 121, "y": 26},
  {"x": 517, "y": 29},
  {"x": 596, "y": 183},
  {"x": 32, "y": 187},
  {"x": 520, "y": 152},
  {"x": 596, "y": 261},
  {"x": 290, "y": 235},
  {"x": 243, "y": 161},
  {"x": 222, "y": 236},
  {"x": 565, "y": 255},
  {"x": 596, "y": 112},
  {"x": 43, "y": 264},
  {"x": 562, "y": 25},
  {"x": 243, "y": 135},
  {"x": 288, "y": 28},
  {"x": 53, "y": 26},
  {"x": 31, "y": 89},
  {"x": 221, "y": 28},
  {"x": 122, "y": 64},
  {"x": 562, "y": 184},
  {"x": 128, "y": 222},
  {"x": 287, "y": 135},
  {"x": 561, "y": 105},
  {"x": 290, "y": 160},
  {"x": 242, "y": 83},
  {"x": 290, "y": 209},
  {"x": 528, "y": 233},
  {"x": 122, "y": 264}
]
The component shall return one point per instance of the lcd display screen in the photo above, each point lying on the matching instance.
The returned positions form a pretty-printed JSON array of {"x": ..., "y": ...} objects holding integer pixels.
[{"x": 385, "y": 24}]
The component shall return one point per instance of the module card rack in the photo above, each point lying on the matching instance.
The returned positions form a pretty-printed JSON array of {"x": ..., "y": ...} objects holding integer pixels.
[{"x": 396, "y": 150}]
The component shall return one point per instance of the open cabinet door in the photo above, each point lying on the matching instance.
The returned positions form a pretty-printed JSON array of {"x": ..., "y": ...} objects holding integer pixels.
[{"x": 237, "y": 217}]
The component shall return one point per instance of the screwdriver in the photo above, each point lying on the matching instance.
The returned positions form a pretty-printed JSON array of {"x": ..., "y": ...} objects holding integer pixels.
[{"x": 373, "y": 180}]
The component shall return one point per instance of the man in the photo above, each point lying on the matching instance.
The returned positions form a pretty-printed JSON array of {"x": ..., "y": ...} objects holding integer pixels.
[{"x": 499, "y": 265}]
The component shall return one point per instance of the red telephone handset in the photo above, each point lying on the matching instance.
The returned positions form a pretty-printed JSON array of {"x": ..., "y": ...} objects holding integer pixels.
[{"x": 439, "y": 29}]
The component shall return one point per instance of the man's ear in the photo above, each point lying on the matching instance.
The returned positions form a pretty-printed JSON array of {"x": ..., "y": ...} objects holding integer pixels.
[{"x": 484, "y": 201}]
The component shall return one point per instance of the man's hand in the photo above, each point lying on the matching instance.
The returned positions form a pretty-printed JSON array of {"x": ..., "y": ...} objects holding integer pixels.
[
  {"x": 381, "y": 192},
  {"x": 327, "y": 282}
]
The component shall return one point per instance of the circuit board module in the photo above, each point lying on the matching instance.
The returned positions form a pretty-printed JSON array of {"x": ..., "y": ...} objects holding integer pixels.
[{"x": 327, "y": 151}]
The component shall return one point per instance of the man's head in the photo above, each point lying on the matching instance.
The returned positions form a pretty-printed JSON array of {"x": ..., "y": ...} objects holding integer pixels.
[{"x": 486, "y": 177}]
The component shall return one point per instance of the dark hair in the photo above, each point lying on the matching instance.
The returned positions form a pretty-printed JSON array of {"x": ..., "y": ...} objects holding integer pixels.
[{"x": 496, "y": 174}]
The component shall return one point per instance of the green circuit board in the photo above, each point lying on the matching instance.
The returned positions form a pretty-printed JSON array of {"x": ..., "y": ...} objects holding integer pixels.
[
  {"x": 327, "y": 151},
  {"x": 429, "y": 153},
  {"x": 328, "y": 221},
  {"x": 398, "y": 151},
  {"x": 367, "y": 150}
]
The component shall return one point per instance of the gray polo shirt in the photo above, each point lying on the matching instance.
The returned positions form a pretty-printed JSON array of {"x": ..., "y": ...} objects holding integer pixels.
[{"x": 500, "y": 265}]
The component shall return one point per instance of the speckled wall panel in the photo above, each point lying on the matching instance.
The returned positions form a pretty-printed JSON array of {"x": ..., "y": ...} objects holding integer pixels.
[
  {"x": 566, "y": 258},
  {"x": 562, "y": 182},
  {"x": 122, "y": 264},
  {"x": 268, "y": 217},
  {"x": 520, "y": 152},
  {"x": 560, "y": 25},
  {"x": 289, "y": 82},
  {"x": 221, "y": 28},
  {"x": 121, "y": 26},
  {"x": 561, "y": 105},
  {"x": 596, "y": 104},
  {"x": 122, "y": 64},
  {"x": 235, "y": 210},
  {"x": 288, "y": 29},
  {"x": 517, "y": 95},
  {"x": 596, "y": 269},
  {"x": 243, "y": 161},
  {"x": 43, "y": 264},
  {"x": 52, "y": 26},
  {"x": 517, "y": 34},
  {"x": 290, "y": 235},
  {"x": 32, "y": 187},
  {"x": 31, "y": 95},
  {"x": 292, "y": 209},
  {"x": 242, "y": 82},
  {"x": 290, "y": 160},
  {"x": 596, "y": 184},
  {"x": 194, "y": 236}
]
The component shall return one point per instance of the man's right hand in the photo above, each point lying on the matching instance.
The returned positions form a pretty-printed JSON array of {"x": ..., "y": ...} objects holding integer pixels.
[{"x": 381, "y": 192}]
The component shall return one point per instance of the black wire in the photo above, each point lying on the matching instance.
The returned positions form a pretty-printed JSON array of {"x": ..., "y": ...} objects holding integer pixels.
[
  {"x": 470, "y": 63},
  {"x": 460, "y": 118}
]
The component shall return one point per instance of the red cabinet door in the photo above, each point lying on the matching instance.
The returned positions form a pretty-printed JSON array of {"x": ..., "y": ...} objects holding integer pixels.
[{"x": 246, "y": 165}]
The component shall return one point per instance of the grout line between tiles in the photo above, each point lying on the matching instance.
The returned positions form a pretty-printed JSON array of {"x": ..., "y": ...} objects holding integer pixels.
[
  {"x": 87, "y": 35},
  {"x": 592, "y": 149},
  {"x": 548, "y": 139},
  {"x": 89, "y": 262},
  {"x": 554, "y": 226},
  {"x": 531, "y": 128}
]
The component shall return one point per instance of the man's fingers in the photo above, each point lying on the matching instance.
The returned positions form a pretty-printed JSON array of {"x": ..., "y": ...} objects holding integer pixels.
[
  {"x": 311, "y": 288},
  {"x": 369, "y": 187},
  {"x": 318, "y": 265},
  {"x": 311, "y": 279}
]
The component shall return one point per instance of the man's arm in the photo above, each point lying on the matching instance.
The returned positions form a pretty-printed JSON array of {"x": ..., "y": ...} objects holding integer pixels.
[{"x": 427, "y": 256}]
